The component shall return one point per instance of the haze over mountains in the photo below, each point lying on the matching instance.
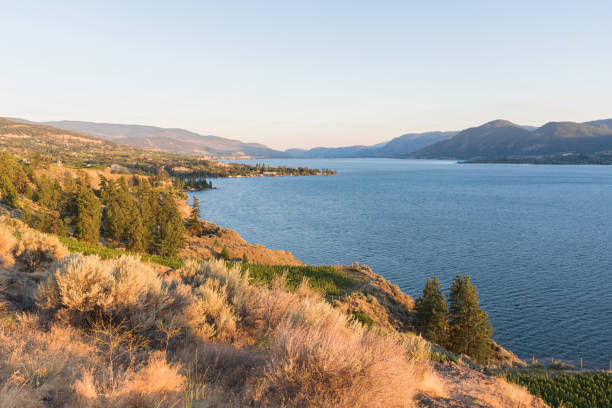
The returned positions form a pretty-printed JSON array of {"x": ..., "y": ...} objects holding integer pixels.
[{"x": 492, "y": 140}]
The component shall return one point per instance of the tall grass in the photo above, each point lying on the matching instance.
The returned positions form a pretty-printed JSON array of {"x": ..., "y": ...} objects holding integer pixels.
[{"x": 115, "y": 333}]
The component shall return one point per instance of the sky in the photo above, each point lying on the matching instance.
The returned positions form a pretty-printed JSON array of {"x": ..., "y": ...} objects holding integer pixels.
[{"x": 310, "y": 73}]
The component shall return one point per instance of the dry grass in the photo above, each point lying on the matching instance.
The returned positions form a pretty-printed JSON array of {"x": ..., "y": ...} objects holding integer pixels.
[
  {"x": 155, "y": 384},
  {"x": 117, "y": 334},
  {"x": 7, "y": 244},
  {"x": 59, "y": 367},
  {"x": 502, "y": 394},
  {"x": 324, "y": 365}
]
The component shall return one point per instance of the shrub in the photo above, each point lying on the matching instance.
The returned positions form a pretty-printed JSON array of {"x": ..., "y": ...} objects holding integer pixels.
[
  {"x": 417, "y": 347},
  {"x": 36, "y": 250},
  {"x": 439, "y": 357},
  {"x": 221, "y": 293},
  {"x": 363, "y": 318},
  {"x": 225, "y": 254},
  {"x": 80, "y": 283},
  {"x": 319, "y": 359},
  {"x": 124, "y": 288},
  {"x": 560, "y": 365}
]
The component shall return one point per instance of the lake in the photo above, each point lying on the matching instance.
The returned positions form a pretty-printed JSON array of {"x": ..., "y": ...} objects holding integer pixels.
[{"x": 536, "y": 240}]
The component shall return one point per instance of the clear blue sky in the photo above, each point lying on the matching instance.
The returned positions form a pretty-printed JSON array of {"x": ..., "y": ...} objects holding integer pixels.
[{"x": 310, "y": 73}]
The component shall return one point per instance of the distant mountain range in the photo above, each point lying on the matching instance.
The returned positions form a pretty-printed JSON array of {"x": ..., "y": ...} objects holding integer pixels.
[
  {"x": 165, "y": 139},
  {"x": 399, "y": 147},
  {"x": 493, "y": 140},
  {"x": 503, "y": 139}
]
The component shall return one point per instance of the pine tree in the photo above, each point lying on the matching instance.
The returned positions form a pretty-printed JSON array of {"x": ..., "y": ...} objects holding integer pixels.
[
  {"x": 134, "y": 233},
  {"x": 49, "y": 222},
  {"x": 169, "y": 232},
  {"x": 8, "y": 191},
  {"x": 28, "y": 215},
  {"x": 469, "y": 327},
  {"x": 113, "y": 221},
  {"x": 193, "y": 223},
  {"x": 432, "y": 314},
  {"x": 87, "y": 217}
]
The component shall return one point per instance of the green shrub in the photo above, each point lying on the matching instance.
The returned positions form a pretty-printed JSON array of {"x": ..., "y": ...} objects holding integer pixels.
[
  {"x": 326, "y": 279},
  {"x": 363, "y": 318},
  {"x": 225, "y": 254},
  {"x": 439, "y": 357}
]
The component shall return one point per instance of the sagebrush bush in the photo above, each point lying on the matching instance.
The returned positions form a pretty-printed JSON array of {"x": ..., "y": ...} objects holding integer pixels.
[
  {"x": 123, "y": 288},
  {"x": 36, "y": 250},
  {"x": 319, "y": 358}
]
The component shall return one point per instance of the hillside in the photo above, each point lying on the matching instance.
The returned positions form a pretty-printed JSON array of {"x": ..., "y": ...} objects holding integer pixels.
[
  {"x": 169, "y": 140},
  {"x": 49, "y": 144},
  {"x": 503, "y": 139},
  {"x": 82, "y": 331},
  {"x": 406, "y": 144}
]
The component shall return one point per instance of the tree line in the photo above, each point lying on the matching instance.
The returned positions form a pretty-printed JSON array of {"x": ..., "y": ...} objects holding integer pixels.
[
  {"x": 138, "y": 213},
  {"x": 461, "y": 326}
]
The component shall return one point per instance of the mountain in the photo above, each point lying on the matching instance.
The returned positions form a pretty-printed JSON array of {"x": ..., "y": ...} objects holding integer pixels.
[
  {"x": 170, "y": 140},
  {"x": 398, "y": 147},
  {"x": 332, "y": 152},
  {"x": 411, "y": 142},
  {"x": 501, "y": 138},
  {"x": 605, "y": 123}
]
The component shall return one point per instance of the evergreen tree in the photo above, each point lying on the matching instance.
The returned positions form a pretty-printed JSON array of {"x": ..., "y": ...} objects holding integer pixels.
[
  {"x": 432, "y": 314},
  {"x": 469, "y": 327},
  {"x": 193, "y": 223},
  {"x": 49, "y": 222},
  {"x": 134, "y": 232},
  {"x": 87, "y": 217},
  {"x": 8, "y": 192},
  {"x": 169, "y": 231},
  {"x": 113, "y": 221},
  {"x": 28, "y": 216}
]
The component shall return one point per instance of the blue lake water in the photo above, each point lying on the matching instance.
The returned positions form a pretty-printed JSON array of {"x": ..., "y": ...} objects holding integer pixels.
[{"x": 536, "y": 240}]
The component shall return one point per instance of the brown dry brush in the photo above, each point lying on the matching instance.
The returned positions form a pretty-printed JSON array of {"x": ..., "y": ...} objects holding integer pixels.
[{"x": 118, "y": 334}]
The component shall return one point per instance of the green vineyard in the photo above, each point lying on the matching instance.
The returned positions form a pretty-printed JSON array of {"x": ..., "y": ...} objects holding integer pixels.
[{"x": 592, "y": 390}]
